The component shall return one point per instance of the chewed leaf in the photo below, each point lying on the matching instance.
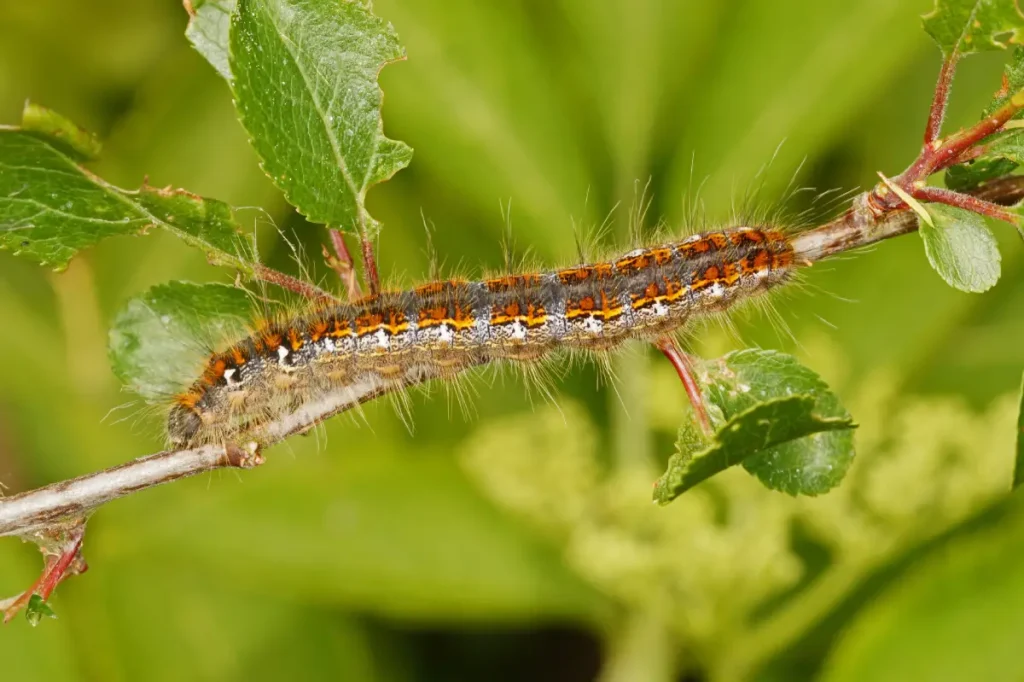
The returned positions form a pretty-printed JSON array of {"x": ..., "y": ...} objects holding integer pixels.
[
  {"x": 961, "y": 248},
  {"x": 748, "y": 434},
  {"x": 1018, "y": 469},
  {"x": 810, "y": 465},
  {"x": 305, "y": 84},
  {"x": 160, "y": 340},
  {"x": 208, "y": 27},
  {"x": 51, "y": 208},
  {"x": 969, "y": 26}
]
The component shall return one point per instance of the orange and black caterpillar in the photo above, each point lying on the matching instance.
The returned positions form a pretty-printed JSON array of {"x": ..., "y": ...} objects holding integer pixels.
[{"x": 447, "y": 326}]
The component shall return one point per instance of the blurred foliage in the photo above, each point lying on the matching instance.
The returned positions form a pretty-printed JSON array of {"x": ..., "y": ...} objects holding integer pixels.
[{"x": 353, "y": 550}]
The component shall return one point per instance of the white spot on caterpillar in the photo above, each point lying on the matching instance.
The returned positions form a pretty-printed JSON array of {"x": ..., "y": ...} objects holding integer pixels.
[
  {"x": 593, "y": 325},
  {"x": 229, "y": 376},
  {"x": 716, "y": 290},
  {"x": 444, "y": 333},
  {"x": 329, "y": 344},
  {"x": 518, "y": 330},
  {"x": 383, "y": 340},
  {"x": 282, "y": 353},
  {"x": 660, "y": 309}
]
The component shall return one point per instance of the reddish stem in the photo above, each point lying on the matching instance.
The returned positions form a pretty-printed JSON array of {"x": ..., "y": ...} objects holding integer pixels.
[
  {"x": 965, "y": 201},
  {"x": 937, "y": 113},
  {"x": 341, "y": 262},
  {"x": 681, "y": 362},
  {"x": 54, "y": 572},
  {"x": 932, "y": 159},
  {"x": 370, "y": 267},
  {"x": 303, "y": 288}
]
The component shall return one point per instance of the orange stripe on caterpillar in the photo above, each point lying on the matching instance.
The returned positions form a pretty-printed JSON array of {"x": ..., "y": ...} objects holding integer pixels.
[{"x": 449, "y": 325}]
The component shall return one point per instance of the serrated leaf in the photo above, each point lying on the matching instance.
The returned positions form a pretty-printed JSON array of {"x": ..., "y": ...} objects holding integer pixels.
[
  {"x": 305, "y": 85},
  {"x": 811, "y": 465},
  {"x": 51, "y": 208},
  {"x": 961, "y": 248},
  {"x": 37, "y": 609},
  {"x": 159, "y": 341},
  {"x": 208, "y": 27},
  {"x": 1018, "y": 469},
  {"x": 970, "y": 26},
  {"x": 748, "y": 434}
]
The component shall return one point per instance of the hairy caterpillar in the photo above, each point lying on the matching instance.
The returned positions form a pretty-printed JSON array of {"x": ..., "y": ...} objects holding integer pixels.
[{"x": 446, "y": 326}]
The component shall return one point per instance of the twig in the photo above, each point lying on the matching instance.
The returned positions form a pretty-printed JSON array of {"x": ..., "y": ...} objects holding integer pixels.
[
  {"x": 36, "y": 509},
  {"x": 967, "y": 202},
  {"x": 681, "y": 363},
  {"x": 301, "y": 287},
  {"x": 341, "y": 262},
  {"x": 859, "y": 226},
  {"x": 937, "y": 113},
  {"x": 370, "y": 267}
]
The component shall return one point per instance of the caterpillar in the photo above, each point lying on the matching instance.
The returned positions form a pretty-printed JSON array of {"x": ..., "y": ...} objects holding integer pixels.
[{"x": 444, "y": 327}]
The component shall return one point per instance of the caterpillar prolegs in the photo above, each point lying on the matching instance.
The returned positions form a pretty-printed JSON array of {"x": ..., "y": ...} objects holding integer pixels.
[{"x": 444, "y": 327}]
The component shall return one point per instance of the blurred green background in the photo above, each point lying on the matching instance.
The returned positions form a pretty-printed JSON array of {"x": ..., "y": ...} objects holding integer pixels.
[{"x": 519, "y": 543}]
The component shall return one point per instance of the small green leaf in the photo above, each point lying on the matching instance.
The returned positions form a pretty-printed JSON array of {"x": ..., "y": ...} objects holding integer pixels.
[
  {"x": 807, "y": 466},
  {"x": 159, "y": 341},
  {"x": 208, "y": 27},
  {"x": 775, "y": 416},
  {"x": 969, "y": 26},
  {"x": 965, "y": 176},
  {"x": 961, "y": 248},
  {"x": 305, "y": 84},
  {"x": 37, "y": 609},
  {"x": 51, "y": 208},
  {"x": 60, "y": 132},
  {"x": 748, "y": 434},
  {"x": 1018, "y": 469}
]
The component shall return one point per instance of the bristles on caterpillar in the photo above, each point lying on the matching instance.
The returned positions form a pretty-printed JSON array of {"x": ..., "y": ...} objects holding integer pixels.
[{"x": 443, "y": 327}]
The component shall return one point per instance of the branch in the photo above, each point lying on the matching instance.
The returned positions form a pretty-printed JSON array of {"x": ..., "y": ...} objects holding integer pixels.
[
  {"x": 861, "y": 226},
  {"x": 35, "y": 510}
]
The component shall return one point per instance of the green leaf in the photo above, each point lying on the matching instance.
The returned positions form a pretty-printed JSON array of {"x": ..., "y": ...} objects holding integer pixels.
[
  {"x": 961, "y": 248},
  {"x": 957, "y": 615},
  {"x": 969, "y": 26},
  {"x": 750, "y": 433},
  {"x": 37, "y": 609},
  {"x": 60, "y": 132},
  {"x": 305, "y": 84},
  {"x": 811, "y": 465},
  {"x": 969, "y": 175},
  {"x": 208, "y": 27},
  {"x": 1018, "y": 469},
  {"x": 159, "y": 341},
  {"x": 51, "y": 208}
]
